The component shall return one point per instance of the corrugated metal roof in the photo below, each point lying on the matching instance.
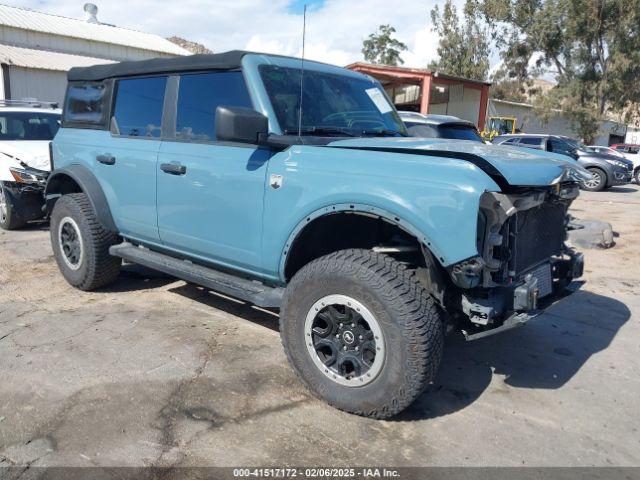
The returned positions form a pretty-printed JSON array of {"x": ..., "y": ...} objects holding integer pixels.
[
  {"x": 45, "y": 60},
  {"x": 25, "y": 19}
]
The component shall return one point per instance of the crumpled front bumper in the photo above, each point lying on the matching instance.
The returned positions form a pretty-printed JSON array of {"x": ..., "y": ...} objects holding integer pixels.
[
  {"x": 524, "y": 299},
  {"x": 621, "y": 176},
  {"x": 26, "y": 200}
]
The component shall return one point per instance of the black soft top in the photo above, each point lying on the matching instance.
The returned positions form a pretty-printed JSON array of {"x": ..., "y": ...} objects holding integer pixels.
[{"x": 218, "y": 61}]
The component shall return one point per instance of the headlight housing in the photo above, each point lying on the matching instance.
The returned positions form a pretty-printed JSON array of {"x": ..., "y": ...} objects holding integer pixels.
[
  {"x": 28, "y": 176},
  {"x": 616, "y": 163}
]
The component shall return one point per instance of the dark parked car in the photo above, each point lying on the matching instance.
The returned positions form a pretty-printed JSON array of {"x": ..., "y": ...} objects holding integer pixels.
[
  {"x": 607, "y": 170},
  {"x": 439, "y": 126}
]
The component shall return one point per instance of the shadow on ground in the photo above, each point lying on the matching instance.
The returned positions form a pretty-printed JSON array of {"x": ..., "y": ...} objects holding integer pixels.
[
  {"x": 621, "y": 190},
  {"x": 257, "y": 315},
  {"x": 136, "y": 277},
  {"x": 544, "y": 354}
]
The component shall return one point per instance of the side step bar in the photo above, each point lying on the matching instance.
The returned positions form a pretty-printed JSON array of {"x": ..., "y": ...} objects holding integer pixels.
[{"x": 248, "y": 290}]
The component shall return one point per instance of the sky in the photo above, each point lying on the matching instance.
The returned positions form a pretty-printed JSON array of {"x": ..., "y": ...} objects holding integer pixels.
[{"x": 335, "y": 28}]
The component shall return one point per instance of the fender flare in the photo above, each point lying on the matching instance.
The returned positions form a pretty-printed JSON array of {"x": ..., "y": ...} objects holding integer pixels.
[
  {"x": 358, "y": 208},
  {"x": 89, "y": 185}
]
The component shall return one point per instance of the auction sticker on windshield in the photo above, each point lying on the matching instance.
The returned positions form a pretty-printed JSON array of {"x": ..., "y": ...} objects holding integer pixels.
[{"x": 379, "y": 100}]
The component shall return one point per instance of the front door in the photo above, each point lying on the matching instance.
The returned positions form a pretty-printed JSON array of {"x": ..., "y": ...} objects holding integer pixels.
[{"x": 210, "y": 194}]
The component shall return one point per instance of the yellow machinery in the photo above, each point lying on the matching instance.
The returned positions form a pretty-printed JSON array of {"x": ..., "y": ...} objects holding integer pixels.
[{"x": 499, "y": 126}]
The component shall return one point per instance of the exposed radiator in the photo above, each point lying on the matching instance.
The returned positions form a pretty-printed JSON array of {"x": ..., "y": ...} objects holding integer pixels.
[{"x": 538, "y": 233}]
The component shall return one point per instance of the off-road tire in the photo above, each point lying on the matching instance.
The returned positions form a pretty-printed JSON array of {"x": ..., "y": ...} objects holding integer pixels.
[
  {"x": 11, "y": 220},
  {"x": 411, "y": 323},
  {"x": 97, "y": 268},
  {"x": 601, "y": 185}
]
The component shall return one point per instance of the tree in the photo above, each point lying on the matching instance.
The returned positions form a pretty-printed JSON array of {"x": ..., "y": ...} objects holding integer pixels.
[
  {"x": 381, "y": 48},
  {"x": 504, "y": 87},
  {"x": 592, "y": 46},
  {"x": 463, "y": 48}
]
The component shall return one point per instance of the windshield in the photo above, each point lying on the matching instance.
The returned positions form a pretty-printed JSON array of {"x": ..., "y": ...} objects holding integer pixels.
[
  {"x": 28, "y": 125},
  {"x": 460, "y": 132},
  {"x": 333, "y": 105},
  {"x": 452, "y": 131}
]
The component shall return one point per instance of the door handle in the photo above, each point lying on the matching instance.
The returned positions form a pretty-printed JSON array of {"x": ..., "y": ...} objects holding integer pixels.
[
  {"x": 173, "y": 168},
  {"x": 106, "y": 159}
]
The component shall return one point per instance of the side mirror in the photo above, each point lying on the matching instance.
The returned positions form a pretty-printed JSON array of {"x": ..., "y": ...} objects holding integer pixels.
[{"x": 240, "y": 124}]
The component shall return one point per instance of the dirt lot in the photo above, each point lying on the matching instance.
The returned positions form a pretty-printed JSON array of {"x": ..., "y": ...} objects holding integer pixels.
[{"x": 156, "y": 372}]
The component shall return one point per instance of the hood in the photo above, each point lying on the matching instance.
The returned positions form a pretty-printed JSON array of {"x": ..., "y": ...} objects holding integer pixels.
[
  {"x": 518, "y": 166},
  {"x": 34, "y": 153},
  {"x": 604, "y": 156}
]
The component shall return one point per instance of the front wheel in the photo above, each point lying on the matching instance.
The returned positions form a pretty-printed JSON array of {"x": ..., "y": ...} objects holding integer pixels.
[
  {"x": 362, "y": 332},
  {"x": 81, "y": 244},
  {"x": 597, "y": 182},
  {"x": 9, "y": 217}
]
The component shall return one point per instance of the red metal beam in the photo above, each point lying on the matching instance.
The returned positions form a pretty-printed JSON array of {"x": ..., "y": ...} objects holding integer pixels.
[
  {"x": 425, "y": 94},
  {"x": 484, "y": 103}
]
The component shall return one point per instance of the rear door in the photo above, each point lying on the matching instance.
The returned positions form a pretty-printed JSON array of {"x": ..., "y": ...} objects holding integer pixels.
[
  {"x": 125, "y": 161},
  {"x": 210, "y": 193}
]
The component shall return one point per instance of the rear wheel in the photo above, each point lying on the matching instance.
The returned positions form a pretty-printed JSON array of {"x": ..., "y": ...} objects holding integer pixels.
[
  {"x": 81, "y": 244},
  {"x": 636, "y": 175},
  {"x": 9, "y": 218},
  {"x": 361, "y": 332},
  {"x": 597, "y": 182}
]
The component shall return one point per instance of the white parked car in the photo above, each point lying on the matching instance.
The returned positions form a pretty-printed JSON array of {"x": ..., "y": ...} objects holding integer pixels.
[
  {"x": 623, "y": 150},
  {"x": 26, "y": 130},
  {"x": 631, "y": 151},
  {"x": 606, "y": 150}
]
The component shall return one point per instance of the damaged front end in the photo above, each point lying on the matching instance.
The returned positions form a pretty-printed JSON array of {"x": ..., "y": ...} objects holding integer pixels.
[
  {"x": 523, "y": 265},
  {"x": 25, "y": 192}
]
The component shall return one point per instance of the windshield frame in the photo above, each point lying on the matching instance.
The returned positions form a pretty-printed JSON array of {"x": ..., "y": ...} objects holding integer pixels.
[{"x": 327, "y": 130}]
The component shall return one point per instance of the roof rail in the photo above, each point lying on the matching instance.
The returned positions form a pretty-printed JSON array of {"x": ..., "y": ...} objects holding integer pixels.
[{"x": 27, "y": 102}]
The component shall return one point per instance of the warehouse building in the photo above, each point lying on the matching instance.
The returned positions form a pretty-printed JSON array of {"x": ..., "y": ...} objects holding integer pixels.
[
  {"x": 528, "y": 121},
  {"x": 37, "y": 50}
]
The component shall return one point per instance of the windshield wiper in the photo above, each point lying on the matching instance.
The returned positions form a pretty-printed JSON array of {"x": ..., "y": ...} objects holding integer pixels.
[
  {"x": 383, "y": 133},
  {"x": 321, "y": 131}
]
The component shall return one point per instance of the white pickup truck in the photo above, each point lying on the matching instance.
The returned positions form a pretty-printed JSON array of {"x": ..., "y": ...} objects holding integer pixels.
[{"x": 26, "y": 130}]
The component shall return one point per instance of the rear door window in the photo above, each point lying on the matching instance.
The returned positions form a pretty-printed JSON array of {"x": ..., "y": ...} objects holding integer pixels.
[
  {"x": 530, "y": 142},
  {"x": 138, "y": 107},
  {"x": 198, "y": 97}
]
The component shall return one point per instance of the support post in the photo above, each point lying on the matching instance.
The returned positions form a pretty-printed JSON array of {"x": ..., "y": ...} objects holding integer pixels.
[
  {"x": 484, "y": 104},
  {"x": 425, "y": 94}
]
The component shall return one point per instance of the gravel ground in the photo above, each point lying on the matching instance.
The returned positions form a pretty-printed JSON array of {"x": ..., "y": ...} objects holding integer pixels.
[{"x": 153, "y": 371}]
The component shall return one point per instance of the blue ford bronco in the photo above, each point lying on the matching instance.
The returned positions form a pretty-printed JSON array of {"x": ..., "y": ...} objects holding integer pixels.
[{"x": 294, "y": 185}]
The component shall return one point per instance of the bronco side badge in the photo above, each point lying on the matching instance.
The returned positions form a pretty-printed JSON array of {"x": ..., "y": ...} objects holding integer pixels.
[{"x": 275, "y": 181}]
